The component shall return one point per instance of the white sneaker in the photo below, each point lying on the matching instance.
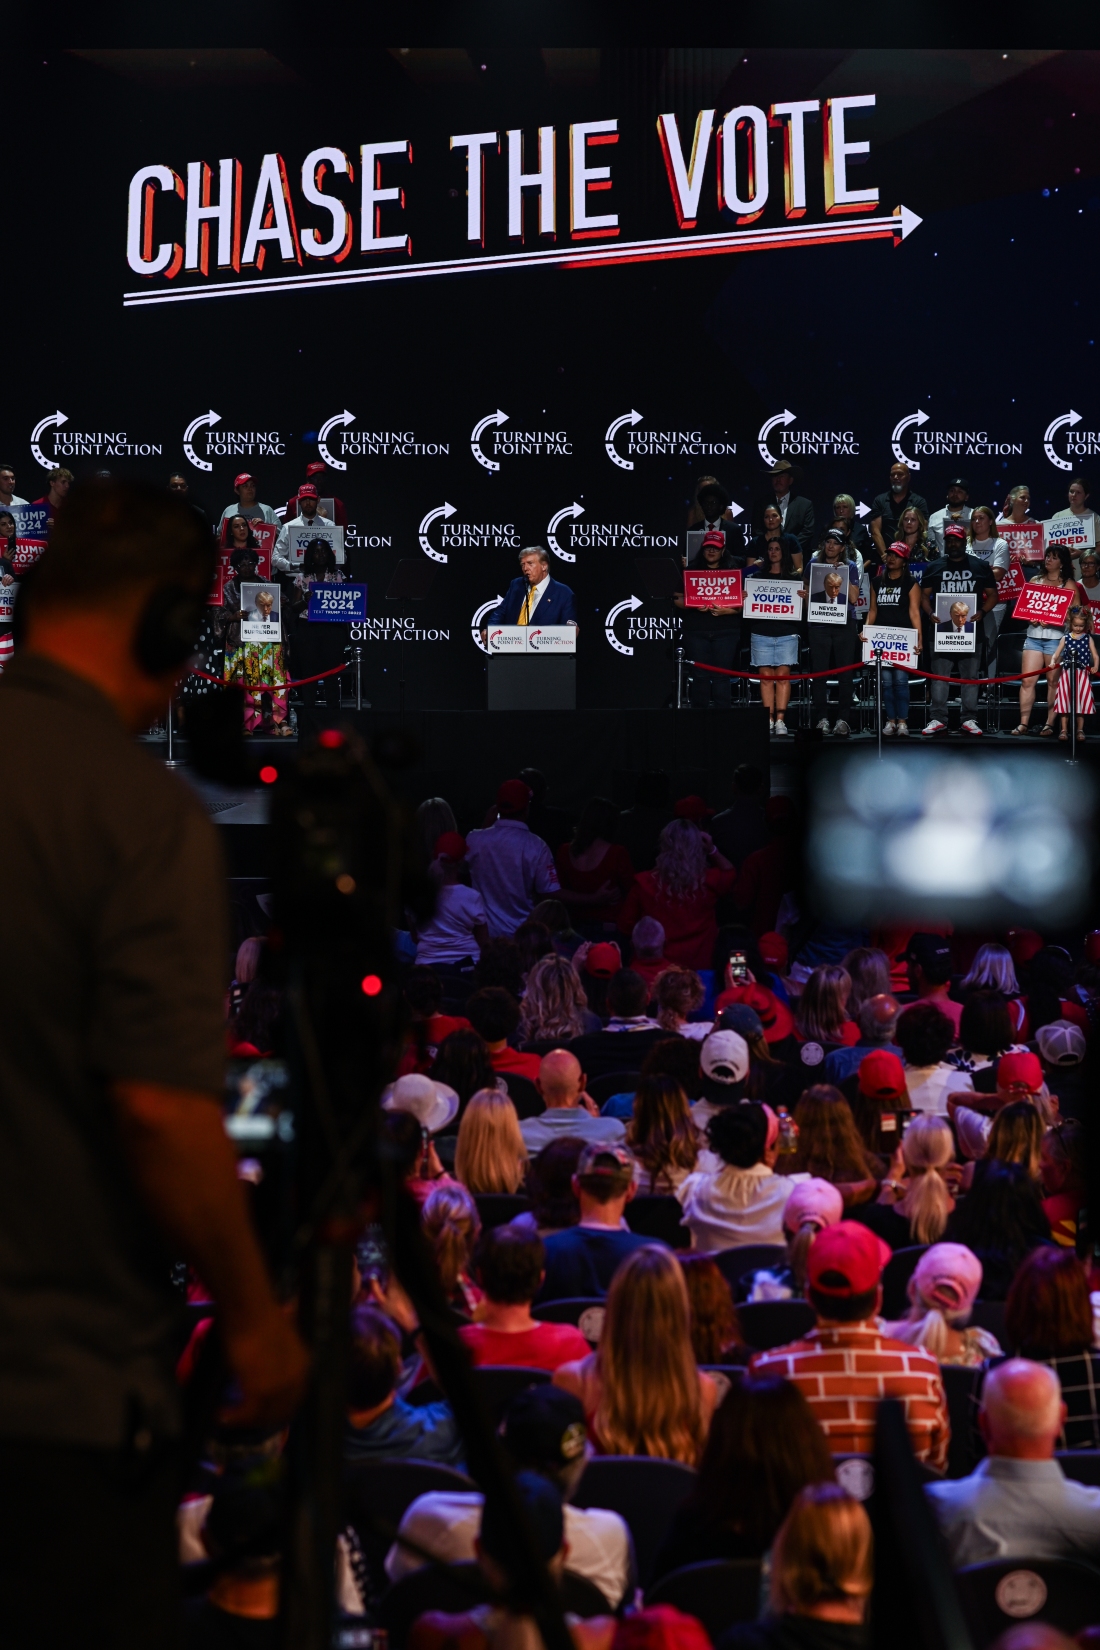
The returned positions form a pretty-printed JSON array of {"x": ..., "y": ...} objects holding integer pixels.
[
  {"x": 842, "y": 730},
  {"x": 889, "y": 730},
  {"x": 779, "y": 728},
  {"x": 972, "y": 727},
  {"x": 824, "y": 724},
  {"x": 933, "y": 727},
  {"x": 903, "y": 730}
]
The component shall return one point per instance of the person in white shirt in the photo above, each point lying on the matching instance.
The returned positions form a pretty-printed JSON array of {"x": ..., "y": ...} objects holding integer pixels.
[
  {"x": 511, "y": 868},
  {"x": 956, "y": 509},
  {"x": 308, "y": 516},
  {"x": 743, "y": 1201},
  {"x": 244, "y": 486},
  {"x": 8, "y": 495},
  {"x": 456, "y": 929},
  {"x": 543, "y": 1432},
  {"x": 1019, "y": 1077}
]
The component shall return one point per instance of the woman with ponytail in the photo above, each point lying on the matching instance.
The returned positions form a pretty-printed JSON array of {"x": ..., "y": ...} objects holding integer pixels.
[
  {"x": 452, "y": 1227},
  {"x": 813, "y": 1205},
  {"x": 916, "y": 1199},
  {"x": 942, "y": 1292}
]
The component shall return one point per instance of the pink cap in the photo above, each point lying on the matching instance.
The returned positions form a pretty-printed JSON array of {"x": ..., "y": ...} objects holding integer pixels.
[
  {"x": 948, "y": 1277},
  {"x": 813, "y": 1202}
]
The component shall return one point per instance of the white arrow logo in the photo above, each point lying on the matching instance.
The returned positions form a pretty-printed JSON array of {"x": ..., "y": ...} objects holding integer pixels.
[
  {"x": 478, "y": 431},
  {"x": 612, "y": 432},
  {"x": 57, "y": 418},
  {"x": 862, "y": 509},
  {"x": 1070, "y": 418},
  {"x": 765, "y": 430},
  {"x": 322, "y": 436},
  {"x": 210, "y": 418},
  {"x": 895, "y": 440},
  {"x": 609, "y": 623},
  {"x": 573, "y": 510},
  {"x": 475, "y": 622},
  {"x": 444, "y": 510}
]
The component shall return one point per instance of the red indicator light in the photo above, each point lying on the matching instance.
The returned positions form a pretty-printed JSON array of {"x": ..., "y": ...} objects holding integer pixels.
[
  {"x": 331, "y": 739},
  {"x": 372, "y": 985},
  {"x": 269, "y": 775}
]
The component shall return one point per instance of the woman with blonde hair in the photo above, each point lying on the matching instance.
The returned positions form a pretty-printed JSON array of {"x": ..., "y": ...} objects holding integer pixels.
[
  {"x": 822, "y": 1573},
  {"x": 942, "y": 1292},
  {"x": 821, "y": 1015},
  {"x": 662, "y": 1135},
  {"x": 490, "y": 1155},
  {"x": 679, "y": 992},
  {"x": 452, "y": 1226},
  {"x": 554, "y": 1008},
  {"x": 916, "y": 1200},
  {"x": 641, "y": 1390},
  {"x": 681, "y": 892}
]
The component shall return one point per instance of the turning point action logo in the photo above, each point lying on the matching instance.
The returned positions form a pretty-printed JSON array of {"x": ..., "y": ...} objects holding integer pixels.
[
  {"x": 227, "y": 443},
  {"x": 489, "y": 432},
  {"x": 351, "y": 443},
  {"x": 638, "y": 629},
  {"x": 603, "y": 535},
  {"x": 922, "y": 443},
  {"x": 657, "y": 443},
  {"x": 1078, "y": 443},
  {"x": 84, "y": 443},
  {"x": 484, "y": 535}
]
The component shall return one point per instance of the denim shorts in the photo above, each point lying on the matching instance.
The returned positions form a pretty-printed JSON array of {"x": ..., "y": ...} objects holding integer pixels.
[
  {"x": 1046, "y": 645},
  {"x": 774, "y": 650}
]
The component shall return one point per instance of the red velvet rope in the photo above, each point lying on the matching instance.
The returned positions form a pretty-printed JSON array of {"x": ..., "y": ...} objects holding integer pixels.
[{"x": 281, "y": 687}]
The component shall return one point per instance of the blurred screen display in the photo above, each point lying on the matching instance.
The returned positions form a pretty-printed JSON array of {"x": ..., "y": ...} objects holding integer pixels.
[{"x": 995, "y": 839}]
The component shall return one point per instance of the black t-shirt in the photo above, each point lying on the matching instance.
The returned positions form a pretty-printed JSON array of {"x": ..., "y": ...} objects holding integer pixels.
[
  {"x": 966, "y": 577},
  {"x": 890, "y": 510},
  {"x": 114, "y": 950},
  {"x": 892, "y": 598}
]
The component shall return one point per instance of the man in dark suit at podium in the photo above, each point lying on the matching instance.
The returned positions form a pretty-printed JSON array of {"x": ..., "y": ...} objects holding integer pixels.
[{"x": 534, "y": 596}]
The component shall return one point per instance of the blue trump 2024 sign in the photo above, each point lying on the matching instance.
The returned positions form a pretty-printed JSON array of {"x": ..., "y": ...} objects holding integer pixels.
[{"x": 337, "y": 603}]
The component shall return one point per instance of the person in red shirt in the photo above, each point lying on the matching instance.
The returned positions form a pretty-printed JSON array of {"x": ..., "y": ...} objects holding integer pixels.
[
  {"x": 510, "y": 1267},
  {"x": 315, "y": 477},
  {"x": 424, "y": 996},
  {"x": 594, "y": 870},
  {"x": 494, "y": 1015},
  {"x": 681, "y": 892}
]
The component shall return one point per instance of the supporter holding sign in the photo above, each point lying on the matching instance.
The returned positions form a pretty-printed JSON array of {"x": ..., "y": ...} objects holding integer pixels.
[
  {"x": 893, "y": 623},
  {"x": 318, "y": 645},
  {"x": 331, "y": 508},
  {"x": 955, "y": 624},
  {"x": 712, "y": 634},
  {"x": 835, "y": 571},
  {"x": 8, "y": 584},
  {"x": 239, "y": 533},
  {"x": 1044, "y": 633},
  {"x": 261, "y": 612},
  {"x": 1019, "y": 529},
  {"x": 715, "y": 591},
  {"x": 307, "y": 524},
  {"x": 1076, "y": 526},
  {"x": 958, "y": 576},
  {"x": 987, "y": 547},
  {"x": 31, "y": 530},
  {"x": 257, "y": 666},
  {"x": 774, "y": 645}
]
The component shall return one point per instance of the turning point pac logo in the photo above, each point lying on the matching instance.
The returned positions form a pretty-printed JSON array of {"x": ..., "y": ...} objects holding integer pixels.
[
  {"x": 474, "y": 535},
  {"x": 202, "y": 441},
  {"x": 489, "y": 432}
]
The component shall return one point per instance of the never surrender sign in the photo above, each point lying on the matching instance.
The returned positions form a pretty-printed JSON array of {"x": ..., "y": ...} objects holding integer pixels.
[
  {"x": 1043, "y": 604},
  {"x": 773, "y": 599},
  {"x": 337, "y": 603},
  {"x": 717, "y": 589}
]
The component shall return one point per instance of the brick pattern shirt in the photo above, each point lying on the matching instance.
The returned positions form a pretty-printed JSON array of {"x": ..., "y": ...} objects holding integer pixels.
[{"x": 843, "y": 1373}]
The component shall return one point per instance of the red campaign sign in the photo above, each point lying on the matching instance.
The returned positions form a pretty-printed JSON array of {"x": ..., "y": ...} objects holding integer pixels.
[
  {"x": 1044, "y": 604},
  {"x": 1024, "y": 539},
  {"x": 717, "y": 589},
  {"x": 27, "y": 552},
  {"x": 1010, "y": 582},
  {"x": 265, "y": 533},
  {"x": 216, "y": 597}
]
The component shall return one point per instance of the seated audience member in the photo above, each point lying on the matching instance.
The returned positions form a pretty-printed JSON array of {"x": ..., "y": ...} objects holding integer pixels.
[
  {"x": 382, "y": 1426},
  {"x": 844, "y": 1272},
  {"x": 771, "y": 1080},
  {"x": 463, "y": 1065},
  {"x": 680, "y": 992},
  {"x": 1016, "y": 1136},
  {"x": 424, "y": 995},
  {"x": 681, "y": 892},
  {"x": 1048, "y": 1318},
  {"x": 875, "y": 1093},
  {"x": 829, "y": 1145},
  {"x": 1062, "y": 1047},
  {"x": 662, "y": 1135},
  {"x": 533, "y": 943},
  {"x": 555, "y": 918},
  {"x": 490, "y": 1155},
  {"x": 915, "y": 1206},
  {"x": 554, "y": 1204},
  {"x": 554, "y": 1009},
  {"x": 500, "y": 964},
  {"x": 509, "y": 1268},
  {"x": 772, "y": 1010},
  {"x": 868, "y": 968},
  {"x": 581, "y": 1260},
  {"x": 594, "y": 869},
  {"x": 451, "y": 1224},
  {"x": 942, "y": 1292},
  {"x": 561, "y": 1081},
  {"x": 928, "y": 957},
  {"x": 764, "y": 1447},
  {"x": 676, "y": 1057},
  {"x": 456, "y": 929},
  {"x": 494, "y": 1015},
  {"x": 629, "y": 1033},
  {"x": 1062, "y": 1176},
  {"x": 743, "y": 1200},
  {"x": 723, "y": 1070},
  {"x": 1051, "y": 993},
  {"x": 1018, "y": 1503},
  {"x": 820, "y": 1581},
  {"x": 1001, "y": 1219},
  {"x": 1017, "y": 1076},
  {"x": 924, "y": 1034},
  {"x": 648, "y": 958},
  {"x": 992, "y": 972},
  {"x": 821, "y": 1020},
  {"x": 985, "y": 1033},
  {"x": 543, "y": 1432},
  {"x": 877, "y": 1018},
  {"x": 715, "y": 1331},
  {"x": 641, "y": 1391},
  {"x": 243, "y": 1534},
  {"x": 509, "y": 866},
  {"x": 597, "y": 966},
  {"x": 811, "y": 1207},
  {"x": 432, "y": 1106}
]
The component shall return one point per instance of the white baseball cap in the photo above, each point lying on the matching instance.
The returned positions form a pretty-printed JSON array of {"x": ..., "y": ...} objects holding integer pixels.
[
  {"x": 724, "y": 1057},
  {"x": 1061, "y": 1043}
]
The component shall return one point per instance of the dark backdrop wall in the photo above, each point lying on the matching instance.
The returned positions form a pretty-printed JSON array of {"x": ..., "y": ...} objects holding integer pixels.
[{"x": 980, "y": 327}]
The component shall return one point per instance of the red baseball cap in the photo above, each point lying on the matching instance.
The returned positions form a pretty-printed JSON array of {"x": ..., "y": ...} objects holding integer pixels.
[
  {"x": 603, "y": 960},
  {"x": 851, "y": 1256},
  {"x": 1022, "y": 944},
  {"x": 451, "y": 845},
  {"x": 307, "y": 490},
  {"x": 693, "y": 808},
  {"x": 1020, "y": 1068},
  {"x": 514, "y": 794},
  {"x": 954, "y": 530},
  {"x": 881, "y": 1075},
  {"x": 316, "y": 468},
  {"x": 715, "y": 539},
  {"x": 899, "y": 549},
  {"x": 242, "y": 478},
  {"x": 773, "y": 949},
  {"x": 775, "y": 1016}
]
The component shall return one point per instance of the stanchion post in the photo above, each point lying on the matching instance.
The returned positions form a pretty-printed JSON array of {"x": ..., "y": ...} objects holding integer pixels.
[
  {"x": 1072, "y": 708},
  {"x": 679, "y": 678},
  {"x": 358, "y": 677},
  {"x": 170, "y": 759},
  {"x": 878, "y": 694}
]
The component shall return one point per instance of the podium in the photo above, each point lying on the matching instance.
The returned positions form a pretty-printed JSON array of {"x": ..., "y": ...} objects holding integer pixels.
[{"x": 532, "y": 667}]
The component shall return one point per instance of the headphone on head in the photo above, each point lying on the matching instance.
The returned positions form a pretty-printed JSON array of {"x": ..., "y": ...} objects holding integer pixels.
[{"x": 168, "y": 630}]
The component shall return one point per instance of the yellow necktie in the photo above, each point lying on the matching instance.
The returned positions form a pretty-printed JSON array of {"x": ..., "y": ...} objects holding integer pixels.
[{"x": 525, "y": 610}]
